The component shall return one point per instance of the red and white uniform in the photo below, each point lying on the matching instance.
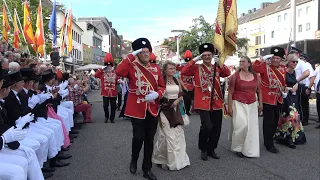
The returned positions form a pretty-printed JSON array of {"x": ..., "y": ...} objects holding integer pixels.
[
  {"x": 142, "y": 80},
  {"x": 188, "y": 81},
  {"x": 109, "y": 82}
]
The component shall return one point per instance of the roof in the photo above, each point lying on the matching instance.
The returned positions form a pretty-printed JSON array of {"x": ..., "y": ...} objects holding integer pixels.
[{"x": 270, "y": 9}]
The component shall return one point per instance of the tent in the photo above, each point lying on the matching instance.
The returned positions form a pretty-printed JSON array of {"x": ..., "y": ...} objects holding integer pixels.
[
  {"x": 230, "y": 61},
  {"x": 89, "y": 67}
]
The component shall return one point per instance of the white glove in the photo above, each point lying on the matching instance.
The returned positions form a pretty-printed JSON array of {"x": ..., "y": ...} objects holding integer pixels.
[
  {"x": 120, "y": 81},
  {"x": 266, "y": 57},
  {"x": 33, "y": 101},
  {"x": 76, "y": 86},
  {"x": 22, "y": 121},
  {"x": 29, "y": 152},
  {"x": 151, "y": 96},
  {"x": 197, "y": 58},
  {"x": 64, "y": 93},
  {"x": 12, "y": 135},
  {"x": 284, "y": 95},
  {"x": 65, "y": 84},
  {"x": 134, "y": 53},
  {"x": 43, "y": 97}
]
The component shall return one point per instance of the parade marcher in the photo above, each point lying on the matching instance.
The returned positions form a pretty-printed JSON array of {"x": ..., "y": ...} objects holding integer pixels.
[
  {"x": 170, "y": 150},
  {"x": 290, "y": 130},
  {"x": 187, "y": 83},
  {"x": 211, "y": 108},
  {"x": 119, "y": 98},
  {"x": 125, "y": 91},
  {"x": 109, "y": 82},
  {"x": 272, "y": 87},
  {"x": 153, "y": 58},
  {"x": 146, "y": 88},
  {"x": 317, "y": 91},
  {"x": 244, "y": 108}
]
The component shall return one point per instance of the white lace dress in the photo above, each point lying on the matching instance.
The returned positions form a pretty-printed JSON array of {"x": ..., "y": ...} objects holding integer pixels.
[{"x": 170, "y": 144}]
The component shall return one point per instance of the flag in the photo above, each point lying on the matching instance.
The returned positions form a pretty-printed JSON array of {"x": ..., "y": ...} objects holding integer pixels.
[
  {"x": 226, "y": 29},
  {"x": 5, "y": 24},
  {"x": 27, "y": 26},
  {"x": 53, "y": 24},
  {"x": 70, "y": 32},
  {"x": 39, "y": 38},
  {"x": 16, "y": 33},
  {"x": 62, "y": 33}
]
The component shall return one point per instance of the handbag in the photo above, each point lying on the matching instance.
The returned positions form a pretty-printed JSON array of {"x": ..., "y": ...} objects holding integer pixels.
[{"x": 185, "y": 117}]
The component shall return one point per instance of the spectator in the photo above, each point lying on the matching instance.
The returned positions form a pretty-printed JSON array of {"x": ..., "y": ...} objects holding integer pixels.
[
  {"x": 14, "y": 66},
  {"x": 76, "y": 90},
  {"x": 9, "y": 56},
  {"x": 5, "y": 63}
]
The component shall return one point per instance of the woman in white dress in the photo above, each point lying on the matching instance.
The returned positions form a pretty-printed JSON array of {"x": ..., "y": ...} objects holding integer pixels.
[{"x": 170, "y": 144}]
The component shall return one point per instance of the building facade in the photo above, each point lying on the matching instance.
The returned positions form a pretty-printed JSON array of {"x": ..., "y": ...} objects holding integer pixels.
[{"x": 87, "y": 54}]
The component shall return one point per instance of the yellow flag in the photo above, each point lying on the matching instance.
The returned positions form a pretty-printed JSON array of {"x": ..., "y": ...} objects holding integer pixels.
[
  {"x": 39, "y": 38},
  {"x": 27, "y": 27},
  {"x": 5, "y": 24},
  {"x": 16, "y": 33},
  {"x": 226, "y": 29},
  {"x": 70, "y": 47}
]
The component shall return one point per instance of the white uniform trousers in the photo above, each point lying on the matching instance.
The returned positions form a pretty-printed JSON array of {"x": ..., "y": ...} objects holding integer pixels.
[
  {"x": 69, "y": 105},
  {"x": 34, "y": 170},
  {"x": 31, "y": 143},
  {"x": 56, "y": 126},
  {"x": 11, "y": 172},
  {"x": 43, "y": 151},
  {"x": 65, "y": 117},
  {"x": 15, "y": 167},
  {"x": 41, "y": 129}
]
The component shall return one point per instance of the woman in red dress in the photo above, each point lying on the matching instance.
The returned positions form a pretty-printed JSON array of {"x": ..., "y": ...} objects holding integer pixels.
[{"x": 243, "y": 107}]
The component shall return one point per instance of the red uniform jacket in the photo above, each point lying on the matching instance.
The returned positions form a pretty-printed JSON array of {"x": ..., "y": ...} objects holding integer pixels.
[
  {"x": 188, "y": 81},
  {"x": 203, "y": 78},
  {"x": 109, "y": 81},
  {"x": 142, "y": 80},
  {"x": 272, "y": 80}
]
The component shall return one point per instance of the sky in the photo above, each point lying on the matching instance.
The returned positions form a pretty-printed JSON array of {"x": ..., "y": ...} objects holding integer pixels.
[{"x": 153, "y": 19}]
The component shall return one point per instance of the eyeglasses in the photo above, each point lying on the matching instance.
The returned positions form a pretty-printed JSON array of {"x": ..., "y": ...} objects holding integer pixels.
[
  {"x": 242, "y": 61},
  {"x": 294, "y": 61},
  {"x": 145, "y": 52}
]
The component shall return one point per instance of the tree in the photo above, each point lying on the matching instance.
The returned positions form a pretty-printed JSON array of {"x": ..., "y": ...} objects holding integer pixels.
[
  {"x": 242, "y": 46},
  {"x": 171, "y": 44},
  {"x": 200, "y": 32},
  {"x": 33, "y": 8}
]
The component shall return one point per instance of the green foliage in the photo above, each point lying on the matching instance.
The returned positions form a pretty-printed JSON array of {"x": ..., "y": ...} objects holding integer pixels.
[
  {"x": 172, "y": 44},
  {"x": 242, "y": 46}
]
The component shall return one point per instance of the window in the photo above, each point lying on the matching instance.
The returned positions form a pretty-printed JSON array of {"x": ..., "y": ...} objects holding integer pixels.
[
  {"x": 258, "y": 40},
  {"x": 299, "y": 12},
  {"x": 285, "y": 16},
  {"x": 308, "y": 27},
  {"x": 279, "y": 18},
  {"x": 272, "y": 34},
  {"x": 300, "y": 28},
  {"x": 307, "y": 10}
]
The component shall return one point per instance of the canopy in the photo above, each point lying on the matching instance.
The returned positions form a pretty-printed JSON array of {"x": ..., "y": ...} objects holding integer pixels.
[{"x": 89, "y": 67}]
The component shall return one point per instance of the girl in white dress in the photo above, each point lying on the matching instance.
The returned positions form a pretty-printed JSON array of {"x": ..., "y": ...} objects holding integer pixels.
[{"x": 170, "y": 144}]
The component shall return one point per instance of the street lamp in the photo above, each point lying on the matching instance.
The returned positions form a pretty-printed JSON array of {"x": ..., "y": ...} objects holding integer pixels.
[{"x": 178, "y": 41}]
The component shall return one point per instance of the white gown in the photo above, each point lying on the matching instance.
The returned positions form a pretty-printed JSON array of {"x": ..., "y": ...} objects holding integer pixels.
[{"x": 170, "y": 144}]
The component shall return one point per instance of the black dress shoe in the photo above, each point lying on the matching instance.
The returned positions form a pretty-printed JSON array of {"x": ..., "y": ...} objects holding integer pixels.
[
  {"x": 106, "y": 120},
  {"x": 112, "y": 121},
  {"x": 293, "y": 146},
  {"x": 64, "y": 156},
  {"x": 72, "y": 136},
  {"x": 47, "y": 175},
  {"x": 273, "y": 150},
  {"x": 305, "y": 123},
  {"x": 133, "y": 167},
  {"x": 240, "y": 154},
  {"x": 188, "y": 114},
  {"x": 149, "y": 175},
  {"x": 204, "y": 155},
  {"x": 71, "y": 140},
  {"x": 65, "y": 149},
  {"x": 213, "y": 154},
  {"x": 74, "y": 131},
  {"x": 60, "y": 164},
  {"x": 48, "y": 169},
  {"x": 318, "y": 127}
]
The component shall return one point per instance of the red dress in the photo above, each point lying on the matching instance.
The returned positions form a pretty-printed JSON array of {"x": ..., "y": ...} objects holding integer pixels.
[{"x": 244, "y": 91}]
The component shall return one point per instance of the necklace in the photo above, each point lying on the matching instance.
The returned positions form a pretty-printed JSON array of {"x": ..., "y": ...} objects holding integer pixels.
[{"x": 169, "y": 82}]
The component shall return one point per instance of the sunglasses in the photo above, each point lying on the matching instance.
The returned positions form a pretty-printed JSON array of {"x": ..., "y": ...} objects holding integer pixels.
[{"x": 294, "y": 62}]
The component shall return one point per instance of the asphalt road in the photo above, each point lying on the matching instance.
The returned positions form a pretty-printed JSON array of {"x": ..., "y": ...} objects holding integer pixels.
[{"x": 102, "y": 151}]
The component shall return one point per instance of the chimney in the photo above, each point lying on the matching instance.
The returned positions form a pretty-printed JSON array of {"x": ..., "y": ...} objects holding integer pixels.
[
  {"x": 249, "y": 12},
  {"x": 243, "y": 14},
  {"x": 254, "y": 9}
]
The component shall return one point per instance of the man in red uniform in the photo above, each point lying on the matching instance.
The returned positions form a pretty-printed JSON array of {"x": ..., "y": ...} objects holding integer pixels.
[
  {"x": 211, "y": 109},
  {"x": 146, "y": 88},
  {"x": 273, "y": 83},
  {"x": 187, "y": 83},
  {"x": 109, "y": 82},
  {"x": 153, "y": 58}
]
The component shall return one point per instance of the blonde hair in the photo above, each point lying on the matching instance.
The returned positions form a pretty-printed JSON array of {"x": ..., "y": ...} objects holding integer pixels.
[{"x": 291, "y": 57}]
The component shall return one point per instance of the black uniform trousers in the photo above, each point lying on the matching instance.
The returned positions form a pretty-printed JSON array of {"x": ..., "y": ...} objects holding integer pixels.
[
  {"x": 187, "y": 98},
  {"x": 119, "y": 100},
  {"x": 318, "y": 105},
  {"x": 303, "y": 107},
  {"x": 113, "y": 103},
  {"x": 271, "y": 115},
  {"x": 143, "y": 133},
  {"x": 210, "y": 129}
]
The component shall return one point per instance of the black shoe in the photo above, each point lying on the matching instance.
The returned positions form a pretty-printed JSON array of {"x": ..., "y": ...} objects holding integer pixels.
[
  {"x": 71, "y": 140},
  {"x": 188, "y": 114},
  {"x": 64, "y": 156},
  {"x": 47, "y": 175},
  {"x": 60, "y": 164},
  {"x": 133, "y": 167},
  {"x": 273, "y": 150},
  {"x": 293, "y": 146},
  {"x": 112, "y": 121},
  {"x": 72, "y": 136},
  {"x": 65, "y": 149},
  {"x": 74, "y": 131},
  {"x": 149, "y": 175},
  {"x": 106, "y": 120},
  {"x": 318, "y": 127},
  {"x": 213, "y": 154},
  {"x": 48, "y": 169},
  {"x": 204, "y": 155},
  {"x": 305, "y": 123},
  {"x": 240, "y": 154}
]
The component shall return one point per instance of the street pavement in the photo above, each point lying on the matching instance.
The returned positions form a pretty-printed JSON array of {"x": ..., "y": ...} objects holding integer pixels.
[{"x": 102, "y": 151}]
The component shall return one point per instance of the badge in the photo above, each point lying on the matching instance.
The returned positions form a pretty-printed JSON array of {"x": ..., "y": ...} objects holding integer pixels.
[{"x": 210, "y": 88}]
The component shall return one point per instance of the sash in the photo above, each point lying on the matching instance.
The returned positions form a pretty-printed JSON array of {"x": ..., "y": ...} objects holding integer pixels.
[
  {"x": 148, "y": 76},
  {"x": 279, "y": 75}
]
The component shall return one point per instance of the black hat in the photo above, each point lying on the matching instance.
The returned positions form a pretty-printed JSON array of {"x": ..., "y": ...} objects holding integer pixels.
[
  {"x": 47, "y": 75},
  {"x": 305, "y": 57},
  {"x": 15, "y": 76},
  {"x": 7, "y": 81},
  {"x": 278, "y": 51},
  {"x": 65, "y": 76},
  {"x": 141, "y": 43},
  {"x": 37, "y": 78},
  {"x": 27, "y": 74},
  {"x": 294, "y": 50},
  {"x": 206, "y": 47}
]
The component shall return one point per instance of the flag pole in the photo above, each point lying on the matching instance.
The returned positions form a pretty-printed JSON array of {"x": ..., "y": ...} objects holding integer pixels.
[{"x": 15, "y": 11}]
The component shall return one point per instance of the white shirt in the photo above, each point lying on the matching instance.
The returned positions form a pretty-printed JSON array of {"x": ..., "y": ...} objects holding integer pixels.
[
  {"x": 317, "y": 74},
  {"x": 300, "y": 69}
]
